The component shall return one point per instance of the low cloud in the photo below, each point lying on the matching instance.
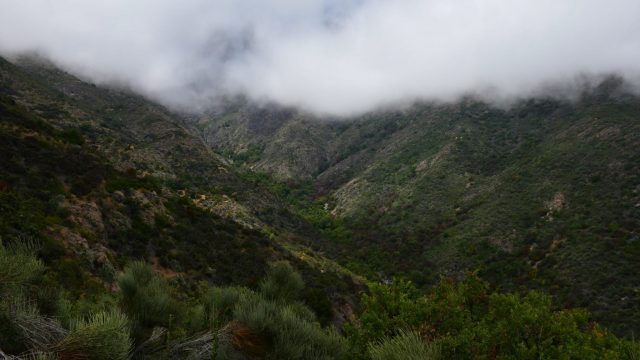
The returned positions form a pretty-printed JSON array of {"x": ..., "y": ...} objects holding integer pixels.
[{"x": 336, "y": 57}]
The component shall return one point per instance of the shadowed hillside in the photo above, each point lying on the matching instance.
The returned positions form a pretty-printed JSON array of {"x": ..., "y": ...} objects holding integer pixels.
[
  {"x": 100, "y": 177},
  {"x": 541, "y": 195}
]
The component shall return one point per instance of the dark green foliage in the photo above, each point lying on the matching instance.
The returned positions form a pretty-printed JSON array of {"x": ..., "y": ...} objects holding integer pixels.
[
  {"x": 104, "y": 336},
  {"x": 404, "y": 346},
  {"x": 219, "y": 303},
  {"x": 270, "y": 323},
  {"x": 146, "y": 297},
  {"x": 535, "y": 195},
  {"x": 464, "y": 320},
  {"x": 72, "y": 136},
  {"x": 317, "y": 300},
  {"x": 288, "y": 330},
  {"x": 18, "y": 266},
  {"x": 282, "y": 283},
  {"x": 222, "y": 250},
  {"x": 468, "y": 321},
  {"x": 249, "y": 156}
]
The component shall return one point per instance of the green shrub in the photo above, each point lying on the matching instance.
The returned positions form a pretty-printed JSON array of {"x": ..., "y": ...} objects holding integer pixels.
[
  {"x": 21, "y": 324},
  {"x": 470, "y": 322},
  {"x": 288, "y": 330},
  {"x": 145, "y": 296},
  {"x": 104, "y": 336},
  {"x": 318, "y": 301},
  {"x": 271, "y": 324},
  {"x": 282, "y": 283},
  {"x": 42, "y": 356},
  {"x": 219, "y": 303},
  {"x": 405, "y": 346},
  {"x": 72, "y": 136},
  {"x": 18, "y": 265},
  {"x": 632, "y": 351}
]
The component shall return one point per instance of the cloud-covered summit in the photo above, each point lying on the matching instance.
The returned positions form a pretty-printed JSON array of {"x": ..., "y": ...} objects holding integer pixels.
[{"x": 337, "y": 57}]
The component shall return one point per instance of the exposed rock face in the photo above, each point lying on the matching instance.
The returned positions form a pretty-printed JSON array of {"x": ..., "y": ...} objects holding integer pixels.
[
  {"x": 554, "y": 205},
  {"x": 228, "y": 208},
  {"x": 150, "y": 203},
  {"x": 74, "y": 241},
  {"x": 85, "y": 214}
]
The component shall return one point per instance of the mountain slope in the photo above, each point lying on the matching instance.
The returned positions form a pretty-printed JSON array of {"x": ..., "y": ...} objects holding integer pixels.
[
  {"x": 542, "y": 195},
  {"x": 545, "y": 194},
  {"x": 99, "y": 177}
]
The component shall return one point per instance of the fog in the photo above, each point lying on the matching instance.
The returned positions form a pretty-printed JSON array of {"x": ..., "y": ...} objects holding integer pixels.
[{"x": 333, "y": 57}]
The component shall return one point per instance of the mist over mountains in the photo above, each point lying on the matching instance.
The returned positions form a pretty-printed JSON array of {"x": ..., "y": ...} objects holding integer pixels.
[
  {"x": 325, "y": 56},
  {"x": 326, "y": 179}
]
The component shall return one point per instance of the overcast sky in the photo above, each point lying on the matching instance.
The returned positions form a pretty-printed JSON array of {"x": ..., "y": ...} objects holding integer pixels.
[{"x": 337, "y": 57}]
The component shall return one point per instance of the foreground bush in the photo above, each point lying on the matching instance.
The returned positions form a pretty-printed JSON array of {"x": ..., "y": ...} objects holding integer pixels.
[
  {"x": 470, "y": 322},
  {"x": 271, "y": 323},
  {"x": 104, "y": 336},
  {"x": 455, "y": 320},
  {"x": 282, "y": 283},
  {"x": 286, "y": 331},
  {"x": 404, "y": 346},
  {"x": 146, "y": 297},
  {"x": 18, "y": 266}
]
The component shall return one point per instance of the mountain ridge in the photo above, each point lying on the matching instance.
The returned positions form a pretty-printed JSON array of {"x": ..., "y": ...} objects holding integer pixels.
[{"x": 434, "y": 189}]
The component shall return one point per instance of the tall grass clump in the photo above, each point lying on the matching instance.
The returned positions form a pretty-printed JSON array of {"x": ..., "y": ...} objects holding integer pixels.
[
  {"x": 273, "y": 330},
  {"x": 104, "y": 336},
  {"x": 18, "y": 266},
  {"x": 282, "y": 282},
  {"x": 404, "y": 346},
  {"x": 219, "y": 303},
  {"x": 20, "y": 322},
  {"x": 145, "y": 296}
]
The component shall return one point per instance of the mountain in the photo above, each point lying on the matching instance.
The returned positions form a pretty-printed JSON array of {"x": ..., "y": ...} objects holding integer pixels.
[
  {"x": 436, "y": 231},
  {"x": 102, "y": 177},
  {"x": 544, "y": 193}
]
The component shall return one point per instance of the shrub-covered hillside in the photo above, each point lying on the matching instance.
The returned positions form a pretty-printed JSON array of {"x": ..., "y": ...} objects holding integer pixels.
[
  {"x": 123, "y": 236},
  {"x": 68, "y": 184},
  {"x": 542, "y": 194}
]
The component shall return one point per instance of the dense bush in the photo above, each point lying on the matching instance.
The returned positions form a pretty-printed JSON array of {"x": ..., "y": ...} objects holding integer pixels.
[
  {"x": 271, "y": 323},
  {"x": 226, "y": 321},
  {"x": 18, "y": 266},
  {"x": 286, "y": 331},
  {"x": 282, "y": 283},
  {"x": 468, "y": 321},
  {"x": 455, "y": 320},
  {"x": 104, "y": 336},
  {"x": 145, "y": 296}
]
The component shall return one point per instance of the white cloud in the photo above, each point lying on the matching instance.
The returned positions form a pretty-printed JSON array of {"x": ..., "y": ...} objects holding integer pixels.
[{"x": 328, "y": 56}]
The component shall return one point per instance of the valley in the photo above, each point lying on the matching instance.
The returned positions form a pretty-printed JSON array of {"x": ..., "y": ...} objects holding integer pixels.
[{"x": 365, "y": 225}]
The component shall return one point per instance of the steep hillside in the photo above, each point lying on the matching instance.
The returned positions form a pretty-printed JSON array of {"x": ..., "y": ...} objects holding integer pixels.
[
  {"x": 272, "y": 139},
  {"x": 100, "y": 177},
  {"x": 545, "y": 194},
  {"x": 124, "y": 236}
]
